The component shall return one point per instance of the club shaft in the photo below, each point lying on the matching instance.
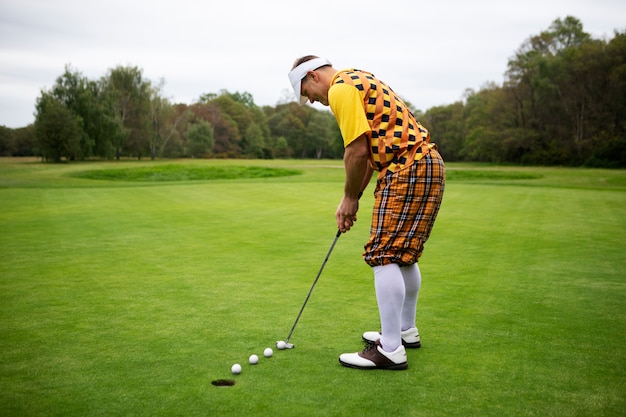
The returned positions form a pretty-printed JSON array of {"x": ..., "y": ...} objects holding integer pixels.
[{"x": 313, "y": 286}]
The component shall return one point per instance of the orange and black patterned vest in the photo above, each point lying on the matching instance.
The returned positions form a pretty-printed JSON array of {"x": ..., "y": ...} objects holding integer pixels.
[{"x": 396, "y": 138}]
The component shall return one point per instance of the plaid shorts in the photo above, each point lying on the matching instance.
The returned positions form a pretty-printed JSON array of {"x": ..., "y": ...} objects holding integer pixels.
[{"x": 407, "y": 203}]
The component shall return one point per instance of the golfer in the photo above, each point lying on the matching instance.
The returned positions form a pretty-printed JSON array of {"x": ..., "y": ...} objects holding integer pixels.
[{"x": 380, "y": 133}]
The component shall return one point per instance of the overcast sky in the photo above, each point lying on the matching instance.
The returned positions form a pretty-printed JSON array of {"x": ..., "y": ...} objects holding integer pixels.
[{"x": 428, "y": 52}]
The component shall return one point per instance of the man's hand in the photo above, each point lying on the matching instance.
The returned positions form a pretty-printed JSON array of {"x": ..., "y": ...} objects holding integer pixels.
[{"x": 346, "y": 213}]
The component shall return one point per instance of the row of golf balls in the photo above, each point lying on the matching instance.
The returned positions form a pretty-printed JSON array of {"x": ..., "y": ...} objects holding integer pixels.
[{"x": 254, "y": 359}]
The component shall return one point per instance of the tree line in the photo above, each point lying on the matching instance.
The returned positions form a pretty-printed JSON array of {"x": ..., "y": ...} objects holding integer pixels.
[
  {"x": 563, "y": 102},
  {"x": 124, "y": 115}
]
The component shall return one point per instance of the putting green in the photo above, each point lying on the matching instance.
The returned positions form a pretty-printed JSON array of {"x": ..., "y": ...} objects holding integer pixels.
[{"x": 135, "y": 297}]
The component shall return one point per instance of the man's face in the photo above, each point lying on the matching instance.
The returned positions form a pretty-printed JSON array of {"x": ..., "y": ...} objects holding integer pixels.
[{"x": 314, "y": 89}]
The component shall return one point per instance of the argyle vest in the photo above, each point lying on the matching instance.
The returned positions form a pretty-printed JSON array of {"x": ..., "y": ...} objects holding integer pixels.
[{"x": 396, "y": 138}]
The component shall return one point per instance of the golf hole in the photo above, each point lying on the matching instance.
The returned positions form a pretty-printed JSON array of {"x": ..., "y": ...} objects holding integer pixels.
[{"x": 223, "y": 382}]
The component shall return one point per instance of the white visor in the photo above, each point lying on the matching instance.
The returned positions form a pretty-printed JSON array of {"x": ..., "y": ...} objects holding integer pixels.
[{"x": 298, "y": 73}]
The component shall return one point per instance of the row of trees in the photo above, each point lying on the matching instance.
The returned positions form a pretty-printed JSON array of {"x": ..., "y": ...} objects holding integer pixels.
[
  {"x": 563, "y": 102},
  {"x": 125, "y": 115}
]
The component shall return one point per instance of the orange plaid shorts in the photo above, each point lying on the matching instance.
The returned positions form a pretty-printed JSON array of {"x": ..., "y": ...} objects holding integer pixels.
[{"x": 406, "y": 206}]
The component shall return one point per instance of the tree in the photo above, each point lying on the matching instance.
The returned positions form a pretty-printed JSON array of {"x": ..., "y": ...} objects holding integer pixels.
[
  {"x": 321, "y": 138},
  {"x": 240, "y": 127},
  {"x": 236, "y": 116},
  {"x": 171, "y": 138},
  {"x": 86, "y": 99},
  {"x": 164, "y": 121},
  {"x": 289, "y": 121},
  {"x": 199, "y": 139},
  {"x": 253, "y": 142},
  {"x": 608, "y": 110},
  {"x": 25, "y": 141},
  {"x": 550, "y": 99},
  {"x": 57, "y": 130},
  {"x": 446, "y": 125},
  {"x": 131, "y": 96},
  {"x": 7, "y": 142},
  {"x": 263, "y": 135}
]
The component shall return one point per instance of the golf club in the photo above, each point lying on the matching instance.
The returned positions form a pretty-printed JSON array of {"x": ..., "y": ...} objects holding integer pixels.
[
  {"x": 288, "y": 345},
  {"x": 285, "y": 344}
]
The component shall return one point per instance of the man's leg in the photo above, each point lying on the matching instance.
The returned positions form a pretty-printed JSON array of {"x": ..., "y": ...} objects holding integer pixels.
[
  {"x": 390, "y": 294},
  {"x": 412, "y": 283},
  {"x": 388, "y": 352}
]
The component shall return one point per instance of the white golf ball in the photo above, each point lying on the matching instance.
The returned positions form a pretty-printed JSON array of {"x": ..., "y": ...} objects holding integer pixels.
[
  {"x": 236, "y": 369},
  {"x": 268, "y": 352},
  {"x": 254, "y": 359},
  {"x": 281, "y": 344}
]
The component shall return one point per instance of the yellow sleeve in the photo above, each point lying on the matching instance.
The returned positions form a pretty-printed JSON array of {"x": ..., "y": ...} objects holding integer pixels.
[{"x": 346, "y": 103}]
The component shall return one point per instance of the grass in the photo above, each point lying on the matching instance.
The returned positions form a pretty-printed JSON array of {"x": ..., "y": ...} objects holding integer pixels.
[{"x": 130, "y": 297}]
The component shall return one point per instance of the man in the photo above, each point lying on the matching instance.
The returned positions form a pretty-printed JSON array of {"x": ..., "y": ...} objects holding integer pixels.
[{"x": 380, "y": 133}]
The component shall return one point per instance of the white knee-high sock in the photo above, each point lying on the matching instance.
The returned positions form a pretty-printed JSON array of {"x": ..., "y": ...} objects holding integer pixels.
[
  {"x": 412, "y": 283},
  {"x": 389, "y": 285}
]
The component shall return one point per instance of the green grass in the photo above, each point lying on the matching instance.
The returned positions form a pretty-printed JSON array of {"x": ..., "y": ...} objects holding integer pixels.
[
  {"x": 490, "y": 175},
  {"x": 129, "y": 297}
]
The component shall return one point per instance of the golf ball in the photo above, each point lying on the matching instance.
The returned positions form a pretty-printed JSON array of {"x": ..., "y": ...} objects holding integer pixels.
[
  {"x": 236, "y": 369},
  {"x": 254, "y": 359},
  {"x": 281, "y": 344},
  {"x": 268, "y": 352}
]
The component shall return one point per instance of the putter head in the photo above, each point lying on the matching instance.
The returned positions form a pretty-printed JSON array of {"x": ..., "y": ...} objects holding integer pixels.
[{"x": 281, "y": 344}]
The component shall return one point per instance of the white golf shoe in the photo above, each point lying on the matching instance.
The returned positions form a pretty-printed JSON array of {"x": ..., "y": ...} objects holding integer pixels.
[
  {"x": 374, "y": 357},
  {"x": 410, "y": 338}
]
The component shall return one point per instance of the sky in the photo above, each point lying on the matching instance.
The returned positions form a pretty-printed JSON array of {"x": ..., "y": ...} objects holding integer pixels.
[{"x": 430, "y": 53}]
